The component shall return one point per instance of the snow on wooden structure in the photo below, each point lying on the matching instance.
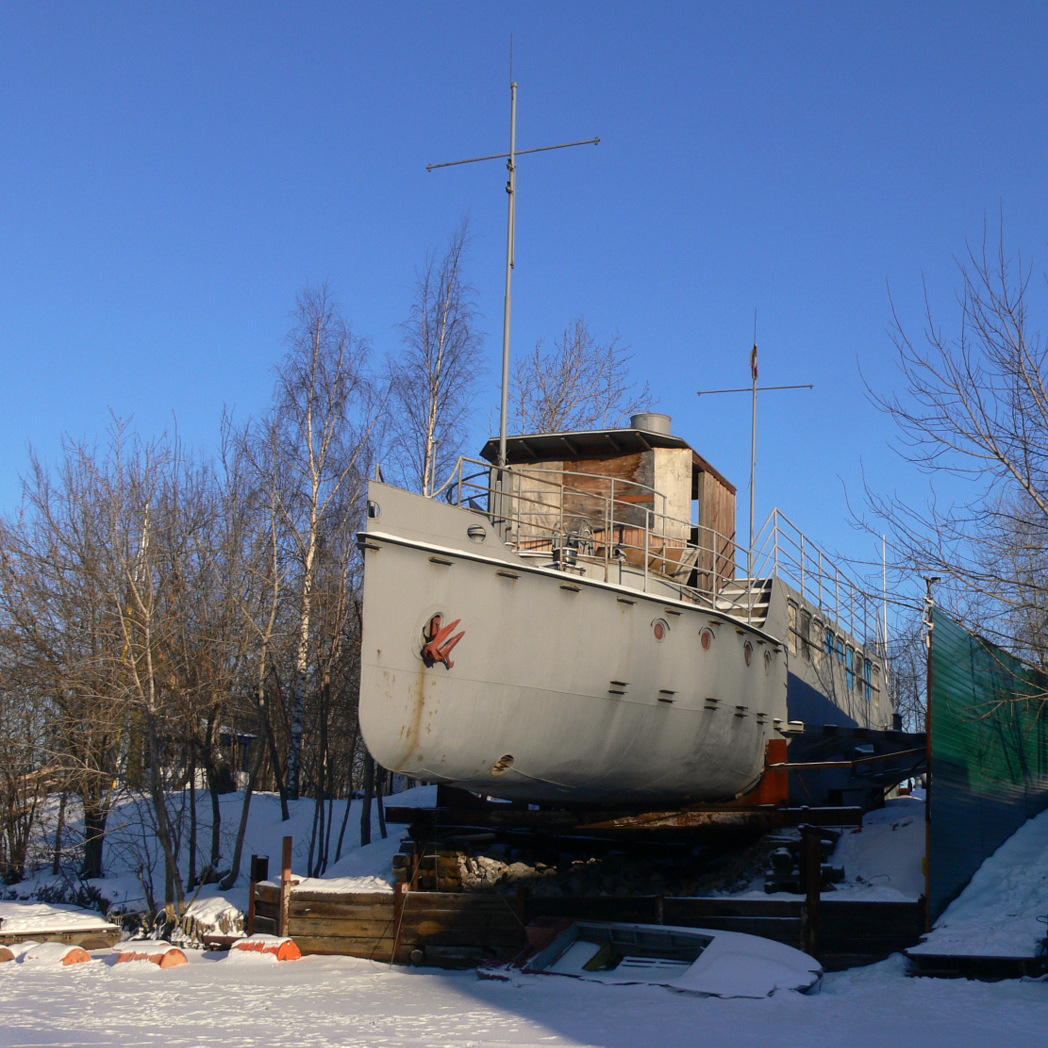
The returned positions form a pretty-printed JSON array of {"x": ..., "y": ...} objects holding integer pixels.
[
  {"x": 457, "y": 929},
  {"x": 43, "y": 922}
]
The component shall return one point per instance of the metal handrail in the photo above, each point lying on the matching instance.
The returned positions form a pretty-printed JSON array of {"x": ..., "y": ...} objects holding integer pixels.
[
  {"x": 625, "y": 529},
  {"x": 797, "y": 560}
]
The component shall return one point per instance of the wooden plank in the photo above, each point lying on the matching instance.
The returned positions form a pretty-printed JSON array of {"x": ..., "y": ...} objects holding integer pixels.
[
  {"x": 340, "y": 908},
  {"x": 867, "y": 947},
  {"x": 265, "y": 925},
  {"x": 267, "y": 891},
  {"x": 676, "y": 910},
  {"x": 430, "y": 931},
  {"x": 851, "y": 907},
  {"x": 369, "y": 949},
  {"x": 639, "y": 909},
  {"x": 459, "y": 956},
  {"x": 782, "y": 929},
  {"x": 340, "y": 927},
  {"x": 420, "y": 930},
  {"x": 868, "y": 927},
  {"x": 347, "y": 898},
  {"x": 456, "y": 902},
  {"x": 88, "y": 939},
  {"x": 871, "y": 918}
]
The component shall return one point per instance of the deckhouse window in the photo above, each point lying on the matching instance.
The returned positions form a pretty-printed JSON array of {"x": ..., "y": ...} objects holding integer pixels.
[{"x": 806, "y": 635}]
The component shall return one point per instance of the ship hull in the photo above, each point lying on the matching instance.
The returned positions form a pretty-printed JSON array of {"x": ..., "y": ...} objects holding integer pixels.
[{"x": 561, "y": 688}]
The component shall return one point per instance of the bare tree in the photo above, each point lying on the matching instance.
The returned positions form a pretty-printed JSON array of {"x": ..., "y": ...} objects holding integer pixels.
[
  {"x": 582, "y": 383},
  {"x": 315, "y": 450},
  {"x": 975, "y": 406},
  {"x": 63, "y": 635},
  {"x": 434, "y": 380},
  {"x": 26, "y": 773},
  {"x": 908, "y": 681}
]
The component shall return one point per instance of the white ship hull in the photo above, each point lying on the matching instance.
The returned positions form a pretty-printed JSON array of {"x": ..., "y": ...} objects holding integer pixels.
[{"x": 562, "y": 687}]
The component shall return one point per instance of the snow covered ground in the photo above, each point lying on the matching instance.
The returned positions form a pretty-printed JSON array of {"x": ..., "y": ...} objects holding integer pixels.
[
  {"x": 340, "y": 1002},
  {"x": 249, "y": 1000},
  {"x": 1003, "y": 909}
]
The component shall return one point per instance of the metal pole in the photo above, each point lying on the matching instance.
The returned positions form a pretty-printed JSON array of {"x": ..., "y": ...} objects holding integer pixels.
[
  {"x": 511, "y": 235},
  {"x": 753, "y": 462},
  {"x": 929, "y": 624},
  {"x": 511, "y": 189}
]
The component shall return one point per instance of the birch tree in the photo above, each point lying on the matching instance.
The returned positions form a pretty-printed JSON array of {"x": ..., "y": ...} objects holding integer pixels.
[
  {"x": 315, "y": 448},
  {"x": 434, "y": 380}
]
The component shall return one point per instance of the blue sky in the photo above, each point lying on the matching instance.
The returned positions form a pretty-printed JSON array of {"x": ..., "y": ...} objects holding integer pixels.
[{"x": 174, "y": 173}]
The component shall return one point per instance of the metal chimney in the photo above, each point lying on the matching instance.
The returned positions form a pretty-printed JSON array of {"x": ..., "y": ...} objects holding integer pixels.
[{"x": 653, "y": 422}]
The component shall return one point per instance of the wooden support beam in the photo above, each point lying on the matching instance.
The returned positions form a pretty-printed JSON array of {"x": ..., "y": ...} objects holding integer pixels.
[{"x": 285, "y": 889}]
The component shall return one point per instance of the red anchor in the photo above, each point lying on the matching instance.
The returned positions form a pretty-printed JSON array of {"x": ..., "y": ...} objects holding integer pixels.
[{"x": 438, "y": 647}]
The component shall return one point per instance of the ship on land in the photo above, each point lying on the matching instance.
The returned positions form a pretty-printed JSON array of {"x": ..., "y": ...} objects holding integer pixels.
[{"x": 576, "y": 625}]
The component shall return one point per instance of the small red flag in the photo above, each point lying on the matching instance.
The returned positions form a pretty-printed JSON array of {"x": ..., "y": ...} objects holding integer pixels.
[{"x": 753, "y": 361}]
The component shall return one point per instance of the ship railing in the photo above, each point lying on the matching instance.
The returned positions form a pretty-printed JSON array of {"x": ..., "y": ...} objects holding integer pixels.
[
  {"x": 573, "y": 518},
  {"x": 782, "y": 550}
]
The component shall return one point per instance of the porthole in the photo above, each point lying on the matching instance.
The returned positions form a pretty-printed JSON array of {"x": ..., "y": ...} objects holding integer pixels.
[
  {"x": 747, "y": 652},
  {"x": 767, "y": 662},
  {"x": 660, "y": 628},
  {"x": 706, "y": 639},
  {"x": 476, "y": 533},
  {"x": 374, "y": 509}
]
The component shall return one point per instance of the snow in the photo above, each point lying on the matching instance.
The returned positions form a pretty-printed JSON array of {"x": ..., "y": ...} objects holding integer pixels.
[
  {"x": 1001, "y": 912},
  {"x": 335, "y": 1002},
  {"x": 243, "y": 999},
  {"x": 19, "y": 918},
  {"x": 30, "y": 952},
  {"x": 883, "y": 860},
  {"x": 735, "y": 965},
  {"x": 364, "y": 870}
]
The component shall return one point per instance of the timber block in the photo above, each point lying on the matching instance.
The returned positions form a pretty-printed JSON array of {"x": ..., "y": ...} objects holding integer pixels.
[
  {"x": 282, "y": 949},
  {"x": 54, "y": 953},
  {"x": 162, "y": 954}
]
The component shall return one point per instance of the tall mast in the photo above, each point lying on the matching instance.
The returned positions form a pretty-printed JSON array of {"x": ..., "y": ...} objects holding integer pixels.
[
  {"x": 511, "y": 243},
  {"x": 511, "y": 237}
]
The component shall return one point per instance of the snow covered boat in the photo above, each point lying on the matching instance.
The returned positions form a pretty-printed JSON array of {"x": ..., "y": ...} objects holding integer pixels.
[
  {"x": 571, "y": 627},
  {"x": 689, "y": 960}
]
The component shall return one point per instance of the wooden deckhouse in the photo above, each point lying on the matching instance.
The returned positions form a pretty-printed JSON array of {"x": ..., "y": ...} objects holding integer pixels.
[{"x": 644, "y": 491}]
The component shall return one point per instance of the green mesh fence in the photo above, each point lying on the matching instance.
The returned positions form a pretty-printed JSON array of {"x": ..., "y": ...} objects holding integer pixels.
[{"x": 989, "y": 739}]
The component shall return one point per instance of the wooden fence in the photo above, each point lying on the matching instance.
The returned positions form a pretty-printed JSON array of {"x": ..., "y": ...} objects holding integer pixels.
[{"x": 461, "y": 929}]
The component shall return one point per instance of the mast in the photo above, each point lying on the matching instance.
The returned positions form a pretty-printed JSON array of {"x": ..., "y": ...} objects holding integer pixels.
[
  {"x": 511, "y": 237},
  {"x": 511, "y": 243}
]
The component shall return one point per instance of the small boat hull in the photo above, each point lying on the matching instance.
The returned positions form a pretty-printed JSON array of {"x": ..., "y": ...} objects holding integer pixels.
[{"x": 700, "y": 961}]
